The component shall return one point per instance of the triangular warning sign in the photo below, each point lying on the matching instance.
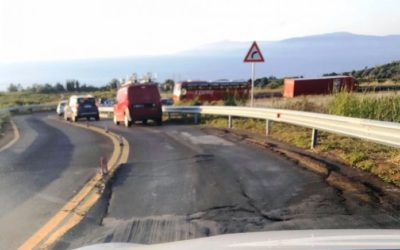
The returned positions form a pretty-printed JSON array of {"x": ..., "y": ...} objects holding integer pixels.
[{"x": 254, "y": 54}]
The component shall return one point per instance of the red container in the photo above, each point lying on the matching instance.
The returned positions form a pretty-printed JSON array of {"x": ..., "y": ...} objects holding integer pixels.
[
  {"x": 318, "y": 86},
  {"x": 205, "y": 91}
]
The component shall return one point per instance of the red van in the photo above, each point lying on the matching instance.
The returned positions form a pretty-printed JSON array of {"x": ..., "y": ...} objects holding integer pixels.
[{"x": 138, "y": 102}]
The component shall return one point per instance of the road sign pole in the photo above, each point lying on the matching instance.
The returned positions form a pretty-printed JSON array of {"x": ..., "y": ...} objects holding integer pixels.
[
  {"x": 253, "y": 73},
  {"x": 253, "y": 55}
]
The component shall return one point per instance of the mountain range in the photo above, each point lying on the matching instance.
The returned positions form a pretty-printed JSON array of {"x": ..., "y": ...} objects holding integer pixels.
[{"x": 307, "y": 56}]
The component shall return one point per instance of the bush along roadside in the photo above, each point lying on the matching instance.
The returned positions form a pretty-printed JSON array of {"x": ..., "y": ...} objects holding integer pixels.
[
  {"x": 4, "y": 120},
  {"x": 376, "y": 107}
]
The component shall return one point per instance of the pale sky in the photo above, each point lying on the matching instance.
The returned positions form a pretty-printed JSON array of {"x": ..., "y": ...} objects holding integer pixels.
[{"x": 42, "y": 30}]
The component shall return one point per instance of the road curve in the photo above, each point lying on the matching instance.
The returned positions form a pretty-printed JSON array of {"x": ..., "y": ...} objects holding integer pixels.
[
  {"x": 49, "y": 163},
  {"x": 185, "y": 182},
  {"x": 10, "y": 137}
]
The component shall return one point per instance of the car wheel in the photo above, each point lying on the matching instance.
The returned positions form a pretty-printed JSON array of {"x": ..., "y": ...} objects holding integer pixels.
[
  {"x": 127, "y": 123},
  {"x": 116, "y": 122}
]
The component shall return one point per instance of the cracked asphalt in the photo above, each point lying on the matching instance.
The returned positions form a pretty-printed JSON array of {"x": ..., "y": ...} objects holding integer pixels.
[{"x": 183, "y": 182}]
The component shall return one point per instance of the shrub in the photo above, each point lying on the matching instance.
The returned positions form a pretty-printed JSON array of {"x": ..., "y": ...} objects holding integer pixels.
[
  {"x": 230, "y": 100},
  {"x": 383, "y": 107}
]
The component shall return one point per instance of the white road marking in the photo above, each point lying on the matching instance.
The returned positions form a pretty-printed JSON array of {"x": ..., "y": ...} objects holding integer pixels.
[
  {"x": 206, "y": 139},
  {"x": 27, "y": 141},
  {"x": 51, "y": 198}
]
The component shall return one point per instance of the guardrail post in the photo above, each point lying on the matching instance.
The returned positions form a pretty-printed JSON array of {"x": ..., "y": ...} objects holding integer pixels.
[
  {"x": 229, "y": 121},
  {"x": 268, "y": 127},
  {"x": 314, "y": 138}
]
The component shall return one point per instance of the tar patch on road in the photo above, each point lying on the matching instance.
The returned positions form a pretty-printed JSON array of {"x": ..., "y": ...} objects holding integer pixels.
[{"x": 211, "y": 189}]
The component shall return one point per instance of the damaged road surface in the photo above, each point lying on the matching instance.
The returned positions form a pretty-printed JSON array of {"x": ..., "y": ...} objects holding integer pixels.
[{"x": 182, "y": 182}]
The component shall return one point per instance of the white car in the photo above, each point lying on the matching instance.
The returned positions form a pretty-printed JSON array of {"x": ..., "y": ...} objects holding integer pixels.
[{"x": 60, "y": 107}]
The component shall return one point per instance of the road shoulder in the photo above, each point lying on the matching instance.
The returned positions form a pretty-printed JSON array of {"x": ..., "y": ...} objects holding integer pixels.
[
  {"x": 359, "y": 184},
  {"x": 77, "y": 207},
  {"x": 9, "y": 136}
]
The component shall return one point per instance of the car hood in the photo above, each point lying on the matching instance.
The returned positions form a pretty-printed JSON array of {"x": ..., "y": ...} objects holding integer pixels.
[{"x": 277, "y": 240}]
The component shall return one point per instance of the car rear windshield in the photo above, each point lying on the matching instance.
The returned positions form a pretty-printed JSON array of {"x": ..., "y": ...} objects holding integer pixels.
[{"x": 86, "y": 100}]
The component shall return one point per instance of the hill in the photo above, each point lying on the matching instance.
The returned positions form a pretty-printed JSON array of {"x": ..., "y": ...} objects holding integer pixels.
[
  {"x": 380, "y": 73},
  {"x": 307, "y": 56}
]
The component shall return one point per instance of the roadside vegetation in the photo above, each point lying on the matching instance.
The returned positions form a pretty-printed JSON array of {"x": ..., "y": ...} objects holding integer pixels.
[
  {"x": 4, "y": 120},
  {"x": 52, "y": 93},
  {"x": 27, "y": 98},
  {"x": 388, "y": 73}
]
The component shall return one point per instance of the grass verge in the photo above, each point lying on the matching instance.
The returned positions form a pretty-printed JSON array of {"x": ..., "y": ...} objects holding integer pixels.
[
  {"x": 4, "y": 120},
  {"x": 27, "y": 98}
]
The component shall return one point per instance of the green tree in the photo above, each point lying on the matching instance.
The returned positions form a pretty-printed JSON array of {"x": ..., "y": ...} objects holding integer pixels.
[
  {"x": 168, "y": 85},
  {"x": 59, "y": 87},
  {"x": 12, "y": 87},
  {"x": 114, "y": 84},
  {"x": 70, "y": 85},
  {"x": 77, "y": 87},
  {"x": 261, "y": 82}
]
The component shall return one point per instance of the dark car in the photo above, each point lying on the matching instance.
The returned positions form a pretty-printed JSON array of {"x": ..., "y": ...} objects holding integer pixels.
[
  {"x": 167, "y": 101},
  {"x": 81, "y": 107}
]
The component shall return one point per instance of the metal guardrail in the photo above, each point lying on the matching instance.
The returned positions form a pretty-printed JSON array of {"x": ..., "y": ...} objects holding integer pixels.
[
  {"x": 30, "y": 108},
  {"x": 387, "y": 133},
  {"x": 106, "y": 112},
  {"x": 106, "y": 109},
  {"x": 381, "y": 132}
]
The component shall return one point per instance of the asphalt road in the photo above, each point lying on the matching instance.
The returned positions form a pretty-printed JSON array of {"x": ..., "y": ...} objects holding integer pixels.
[
  {"x": 184, "y": 182},
  {"x": 40, "y": 172}
]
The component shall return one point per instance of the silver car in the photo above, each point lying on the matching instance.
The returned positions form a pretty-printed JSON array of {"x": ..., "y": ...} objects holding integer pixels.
[{"x": 60, "y": 107}]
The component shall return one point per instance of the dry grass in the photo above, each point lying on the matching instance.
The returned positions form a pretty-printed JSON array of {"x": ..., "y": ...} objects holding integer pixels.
[
  {"x": 166, "y": 94},
  {"x": 26, "y": 98},
  {"x": 376, "y": 83},
  {"x": 4, "y": 119},
  {"x": 267, "y": 90}
]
